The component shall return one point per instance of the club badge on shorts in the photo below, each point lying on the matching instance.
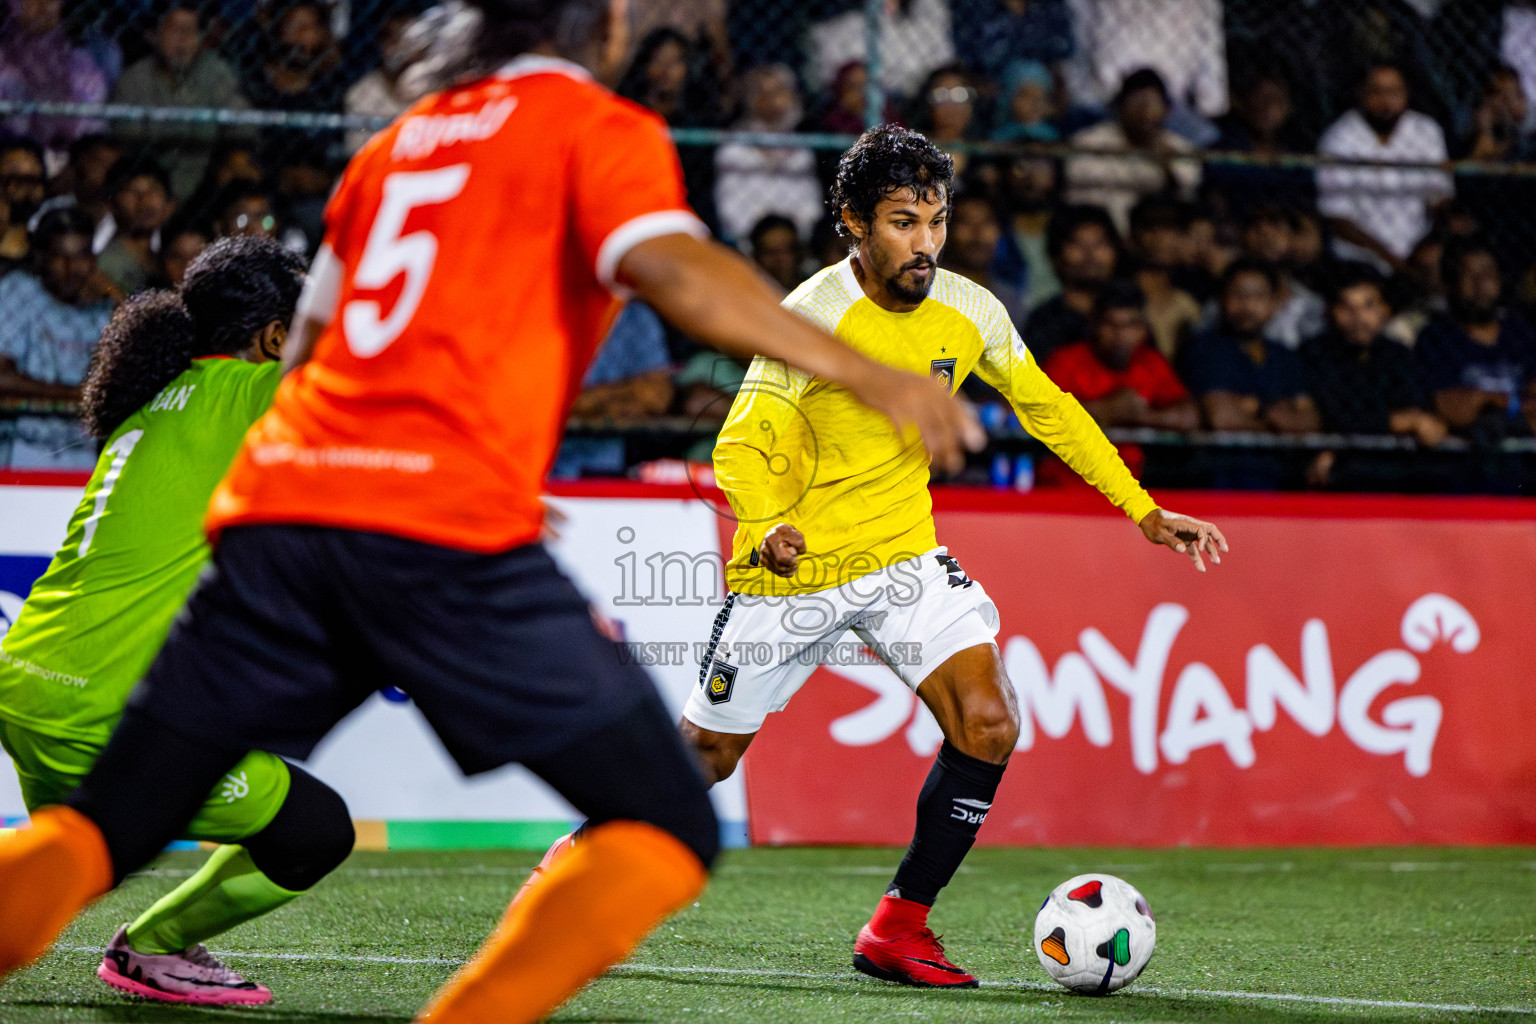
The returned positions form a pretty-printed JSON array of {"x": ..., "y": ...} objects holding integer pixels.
[
  {"x": 722, "y": 679},
  {"x": 943, "y": 371}
]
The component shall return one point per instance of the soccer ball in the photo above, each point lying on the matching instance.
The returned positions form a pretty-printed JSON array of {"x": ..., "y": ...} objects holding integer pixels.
[{"x": 1094, "y": 933}]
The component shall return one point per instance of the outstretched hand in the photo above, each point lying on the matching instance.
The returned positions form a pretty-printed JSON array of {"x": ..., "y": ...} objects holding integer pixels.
[{"x": 1192, "y": 537}]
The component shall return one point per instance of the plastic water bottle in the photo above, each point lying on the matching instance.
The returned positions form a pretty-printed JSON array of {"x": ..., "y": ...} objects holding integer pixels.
[
  {"x": 1024, "y": 473},
  {"x": 1002, "y": 469},
  {"x": 993, "y": 416}
]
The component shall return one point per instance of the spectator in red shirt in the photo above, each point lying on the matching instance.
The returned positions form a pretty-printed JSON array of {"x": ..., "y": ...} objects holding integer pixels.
[{"x": 1119, "y": 376}]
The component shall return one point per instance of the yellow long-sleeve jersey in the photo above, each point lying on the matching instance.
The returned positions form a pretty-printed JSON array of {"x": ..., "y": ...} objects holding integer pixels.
[{"x": 799, "y": 450}]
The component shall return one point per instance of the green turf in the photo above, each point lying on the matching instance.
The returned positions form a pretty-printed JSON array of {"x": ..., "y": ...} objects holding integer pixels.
[{"x": 1440, "y": 926}]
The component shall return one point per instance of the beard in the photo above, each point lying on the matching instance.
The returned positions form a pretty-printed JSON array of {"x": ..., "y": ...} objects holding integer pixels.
[
  {"x": 299, "y": 59},
  {"x": 67, "y": 289},
  {"x": 1475, "y": 312},
  {"x": 917, "y": 291},
  {"x": 22, "y": 210},
  {"x": 1116, "y": 359},
  {"x": 177, "y": 67},
  {"x": 1383, "y": 126},
  {"x": 1244, "y": 330}
]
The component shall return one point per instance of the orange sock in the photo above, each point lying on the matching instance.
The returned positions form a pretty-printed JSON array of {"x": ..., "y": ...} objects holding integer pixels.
[
  {"x": 48, "y": 873},
  {"x": 589, "y": 910}
]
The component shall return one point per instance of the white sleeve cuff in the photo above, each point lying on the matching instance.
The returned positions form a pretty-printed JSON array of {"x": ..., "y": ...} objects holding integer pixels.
[
  {"x": 642, "y": 229},
  {"x": 322, "y": 288}
]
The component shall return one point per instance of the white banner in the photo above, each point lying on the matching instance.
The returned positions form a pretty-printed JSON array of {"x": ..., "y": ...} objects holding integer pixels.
[{"x": 384, "y": 759}]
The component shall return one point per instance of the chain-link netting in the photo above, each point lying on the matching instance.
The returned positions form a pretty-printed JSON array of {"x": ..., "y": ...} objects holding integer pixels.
[{"x": 1267, "y": 242}]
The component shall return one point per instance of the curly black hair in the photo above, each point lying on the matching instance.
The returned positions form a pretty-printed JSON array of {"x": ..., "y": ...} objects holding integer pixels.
[
  {"x": 237, "y": 286},
  {"x": 233, "y": 289},
  {"x": 147, "y": 344},
  {"x": 888, "y": 158}
]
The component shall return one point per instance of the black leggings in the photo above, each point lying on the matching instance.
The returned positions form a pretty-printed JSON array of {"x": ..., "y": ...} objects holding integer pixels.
[{"x": 151, "y": 779}]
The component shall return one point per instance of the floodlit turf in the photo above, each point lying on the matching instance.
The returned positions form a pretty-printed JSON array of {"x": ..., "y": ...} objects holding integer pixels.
[{"x": 1331, "y": 935}]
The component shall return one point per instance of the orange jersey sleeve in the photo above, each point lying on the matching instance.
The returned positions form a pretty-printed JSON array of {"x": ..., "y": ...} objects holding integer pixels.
[
  {"x": 465, "y": 281},
  {"x": 627, "y": 188}
]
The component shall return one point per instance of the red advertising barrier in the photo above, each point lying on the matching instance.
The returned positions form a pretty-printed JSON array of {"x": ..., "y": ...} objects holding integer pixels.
[{"x": 1358, "y": 671}]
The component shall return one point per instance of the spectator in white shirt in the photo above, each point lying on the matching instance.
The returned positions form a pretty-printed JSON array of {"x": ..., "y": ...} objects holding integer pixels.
[
  {"x": 914, "y": 39},
  {"x": 1378, "y": 214},
  {"x": 1163, "y": 164},
  {"x": 1181, "y": 40},
  {"x": 1517, "y": 48},
  {"x": 753, "y": 181}
]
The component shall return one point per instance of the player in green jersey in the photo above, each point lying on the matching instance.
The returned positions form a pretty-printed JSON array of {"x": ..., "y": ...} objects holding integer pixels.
[{"x": 177, "y": 379}]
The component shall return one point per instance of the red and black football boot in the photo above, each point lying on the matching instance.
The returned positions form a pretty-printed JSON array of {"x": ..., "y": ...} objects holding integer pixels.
[{"x": 905, "y": 950}]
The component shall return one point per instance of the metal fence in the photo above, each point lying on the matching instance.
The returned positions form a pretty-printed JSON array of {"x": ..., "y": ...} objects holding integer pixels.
[{"x": 1305, "y": 135}]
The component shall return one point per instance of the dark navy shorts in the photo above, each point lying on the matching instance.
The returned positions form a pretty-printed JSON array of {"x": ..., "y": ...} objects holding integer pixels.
[{"x": 292, "y": 627}]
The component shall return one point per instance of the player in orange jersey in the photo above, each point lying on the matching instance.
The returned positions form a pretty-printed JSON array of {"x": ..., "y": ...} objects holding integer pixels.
[{"x": 380, "y": 525}]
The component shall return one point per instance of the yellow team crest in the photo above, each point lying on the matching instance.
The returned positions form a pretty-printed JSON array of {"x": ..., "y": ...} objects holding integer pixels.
[
  {"x": 720, "y": 681},
  {"x": 943, "y": 371}
]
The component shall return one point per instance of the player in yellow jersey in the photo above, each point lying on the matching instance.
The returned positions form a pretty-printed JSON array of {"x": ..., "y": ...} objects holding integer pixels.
[{"x": 836, "y": 529}]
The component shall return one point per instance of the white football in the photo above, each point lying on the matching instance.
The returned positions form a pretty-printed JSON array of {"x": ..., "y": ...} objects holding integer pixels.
[{"x": 1095, "y": 933}]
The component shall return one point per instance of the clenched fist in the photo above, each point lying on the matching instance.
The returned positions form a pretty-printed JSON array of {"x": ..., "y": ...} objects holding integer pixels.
[{"x": 781, "y": 550}]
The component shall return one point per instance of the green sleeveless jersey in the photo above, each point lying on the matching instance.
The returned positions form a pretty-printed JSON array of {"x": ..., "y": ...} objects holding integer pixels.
[{"x": 96, "y": 618}]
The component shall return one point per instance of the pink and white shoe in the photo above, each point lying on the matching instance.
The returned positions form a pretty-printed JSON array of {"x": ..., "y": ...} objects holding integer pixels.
[
  {"x": 192, "y": 976},
  {"x": 559, "y": 848}
]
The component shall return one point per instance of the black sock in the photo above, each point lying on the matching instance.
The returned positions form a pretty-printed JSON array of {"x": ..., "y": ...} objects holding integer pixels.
[{"x": 950, "y": 809}]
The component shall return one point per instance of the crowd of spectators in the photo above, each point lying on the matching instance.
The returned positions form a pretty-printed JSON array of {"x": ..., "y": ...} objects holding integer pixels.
[
  {"x": 1170, "y": 287},
  {"x": 1268, "y": 333}
]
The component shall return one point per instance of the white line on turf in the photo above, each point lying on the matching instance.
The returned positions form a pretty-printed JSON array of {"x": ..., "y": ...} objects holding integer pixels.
[
  {"x": 1236, "y": 867},
  {"x": 1286, "y": 997},
  {"x": 493, "y": 871},
  {"x": 322, "y": 958},
  {"x": 1031, "y": 986},
  {"x": 823, "y": 869},
  {"x": 1171, "y": 993},
  {"x": 490, "y": 871}
]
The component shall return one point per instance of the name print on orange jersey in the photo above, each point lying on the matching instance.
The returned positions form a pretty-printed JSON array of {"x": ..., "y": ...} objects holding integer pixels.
[{"x": 425, "y": 134}]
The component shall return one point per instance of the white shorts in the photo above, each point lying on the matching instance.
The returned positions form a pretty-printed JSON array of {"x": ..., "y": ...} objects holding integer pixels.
[{"x": 912, "y": 615}]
